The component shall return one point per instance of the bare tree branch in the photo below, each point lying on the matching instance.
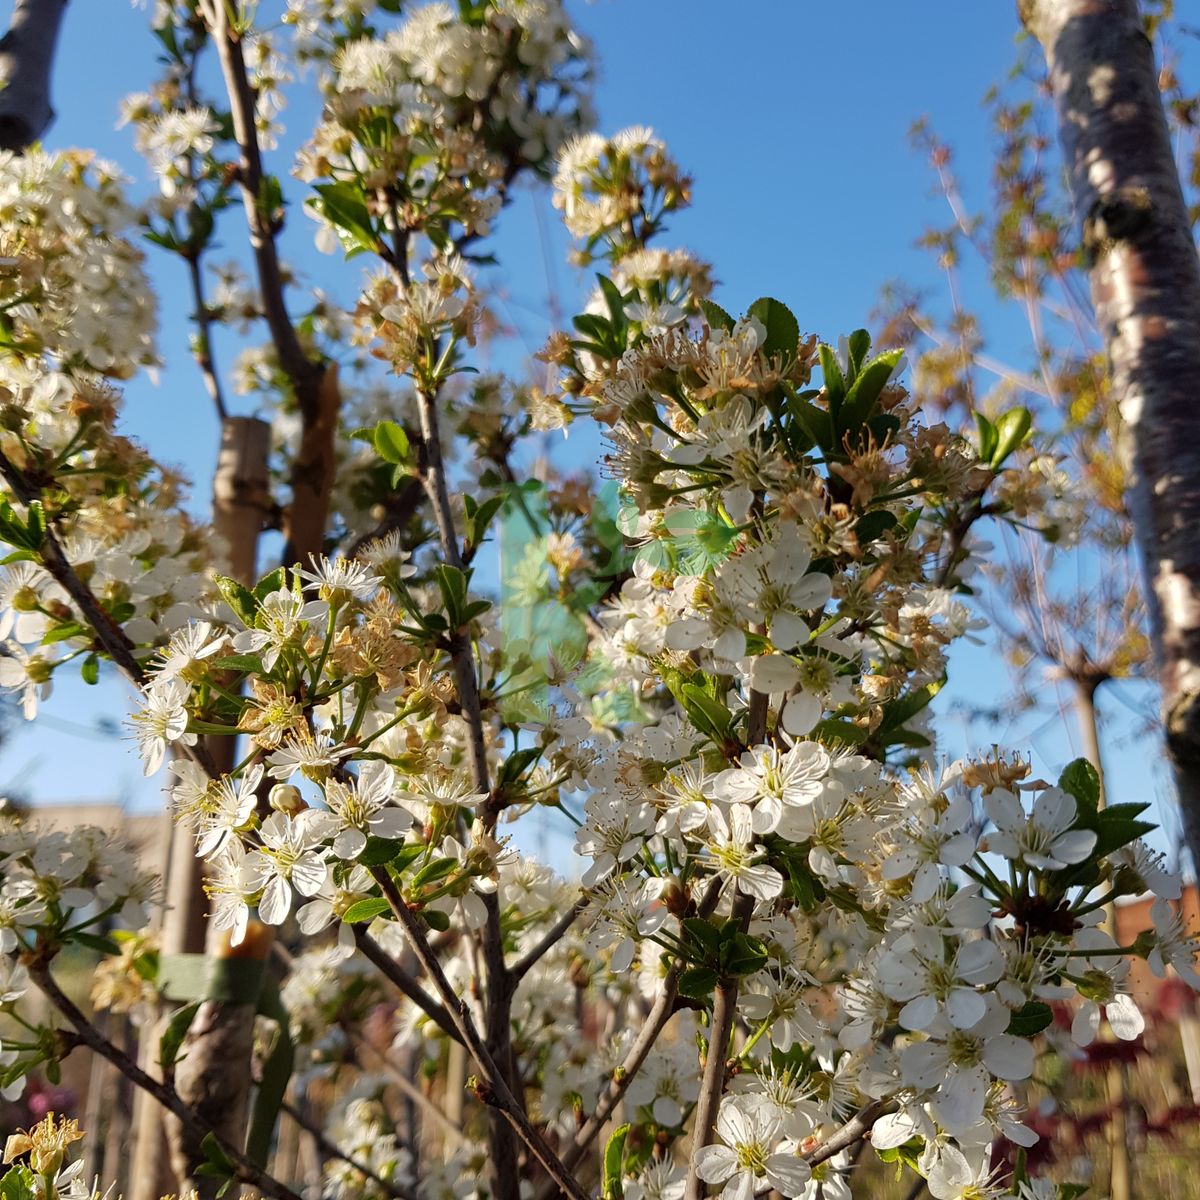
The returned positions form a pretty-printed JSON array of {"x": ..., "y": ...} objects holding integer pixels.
[
  {"x": 330, "y": 1148},
  {"x": 495, "y": 1090},
  {"x": 91, "y": 1037},
  {"x": 550, "y": 939},
  {"x": 374, "y": 953}
]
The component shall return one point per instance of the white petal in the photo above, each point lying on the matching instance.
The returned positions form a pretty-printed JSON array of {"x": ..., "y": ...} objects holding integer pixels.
[
  {"x": 715, "y": 1164},
  {"x": 801, "y": 713},
  {"x": 1008, "y": 1057},
  {"x": 1124, "y": 1018},
  {"x": 773, "y": 673},
  {"x": 276, "y": 902}
]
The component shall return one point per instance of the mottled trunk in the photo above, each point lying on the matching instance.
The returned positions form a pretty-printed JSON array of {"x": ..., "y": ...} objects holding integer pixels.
[
  {"x": 1145, "y": 280},
  {"x": 26, "y": 58}
]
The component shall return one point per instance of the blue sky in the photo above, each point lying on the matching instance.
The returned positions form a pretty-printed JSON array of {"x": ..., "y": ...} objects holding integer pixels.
[{"x": 791, "y": 115}]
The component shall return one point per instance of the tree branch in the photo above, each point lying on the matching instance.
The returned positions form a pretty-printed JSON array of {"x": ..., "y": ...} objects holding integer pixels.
[
  {"x": 330, "y": 1148},
  {"x": 374, "y": 953},
  {"x": 551, "y": 938},
  {"x": 624, "y": 1075},
  {"x": 1145, "y": 283},
  {"x": 496, "y": 1091},
  {"x": 853, "y": 1131},
  {"x": 203, "y": 352},
  {"x": 91, "y": 1037},
  {"x": 712, "y": 1085},
  {"x": 292, "y": 358}
]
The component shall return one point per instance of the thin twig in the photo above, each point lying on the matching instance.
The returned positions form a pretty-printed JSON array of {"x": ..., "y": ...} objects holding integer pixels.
[
  {"x": 375, "y": 953},
  {"x": 329, "y": 1147},
  {"x": 110, "y": 635},
  {"x": 405, "y": 1085},
  {"x": 496, "y": 1091},
  {"x": 203, "y": 352},
  {"x": 712, "y": 1085},
  {"x": 854, "y": 1129},
  {"x": 660, "y": 1013},
  {"x": 550, "y": 939},
  {"x": 292, "y": 358}
]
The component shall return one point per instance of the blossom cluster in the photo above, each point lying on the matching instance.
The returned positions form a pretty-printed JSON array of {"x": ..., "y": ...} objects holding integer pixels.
[{"x": 789, "y": 915}]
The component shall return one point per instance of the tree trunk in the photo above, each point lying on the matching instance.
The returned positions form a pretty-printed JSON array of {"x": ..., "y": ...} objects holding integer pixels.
[
  {"x": 26, "y": 57},
  {"x": 1145, "y": 281}
]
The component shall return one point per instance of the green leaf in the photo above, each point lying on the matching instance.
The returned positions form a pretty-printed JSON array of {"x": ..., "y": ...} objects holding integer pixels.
[
  {"x": 391, "y": 442},
  {"x": 1126, "y": 812},
  {"x": 240, "y": 598},
  {"x": 1115, "y": 832},
  {"x": 60, "y": 633},
  {"x": 379, "y": 851},
  {"x": 362, "y": 911},
  {"x": 436, "y": 920},
  {"x": 873, "y": 525},
  {"x": 480, "y": 516},
  {"x": 783, "y": 331},
  {"x": 816, "y": 423},
  {"x": 835, "y": 730},
  {"x": 36, "y": 524},
  {"x": 1011, "y": 430},
  {"x": 433, "y": 871},
  {"x": 18, "y": 1183},
  {"x": 1080, "y": 779},
  {"x": 743, "y": 955},
  {"x": 1030, "y": 1019},
  {"x": 858, "y": 343},
  {"x": 342, "y": 205},
  {"x": 517, "y": 763},
  {"x": 248, "y": 664},
  {"x": 614, "y": 300},
  {"x": 453, "y": 585},
  {"x": 217, "y": 1162},
  {"x": 271, "y": 582},
  {"x": 987, "y": 437},
  {"x": 171, "y": 1041},
  {"x": 614, "y": 1154},
  {"x": 704, "y": 934},
  {"x": 89, "y": 669},
  {"x": 709, "y": 716},
  {"x": 900, "y": 711},
  {"x": 831, "y": 373},
  {"x": 96, "y": 941},
  {"x": 716, "y": 316},
  {"x": 864, "y": 393},
  {"x": 698, "y": 982}
]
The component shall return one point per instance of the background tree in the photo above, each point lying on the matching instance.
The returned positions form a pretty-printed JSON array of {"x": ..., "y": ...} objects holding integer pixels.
[{"x": 1145, "y": 280}]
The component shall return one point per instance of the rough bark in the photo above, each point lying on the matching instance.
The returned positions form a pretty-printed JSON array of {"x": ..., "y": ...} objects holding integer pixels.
[
  {"x": 26, "y": 59},
  {"x": 1145, "y": 282}
]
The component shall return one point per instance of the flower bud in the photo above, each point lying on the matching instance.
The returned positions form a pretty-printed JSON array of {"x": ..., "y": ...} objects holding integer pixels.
[{"x": 286, "y": 798}]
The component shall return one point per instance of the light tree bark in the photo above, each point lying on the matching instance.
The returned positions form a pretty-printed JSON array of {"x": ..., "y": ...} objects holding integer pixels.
[
  {"x": 1145, "y": 282},
  {"x": 26, "y": 58}
]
